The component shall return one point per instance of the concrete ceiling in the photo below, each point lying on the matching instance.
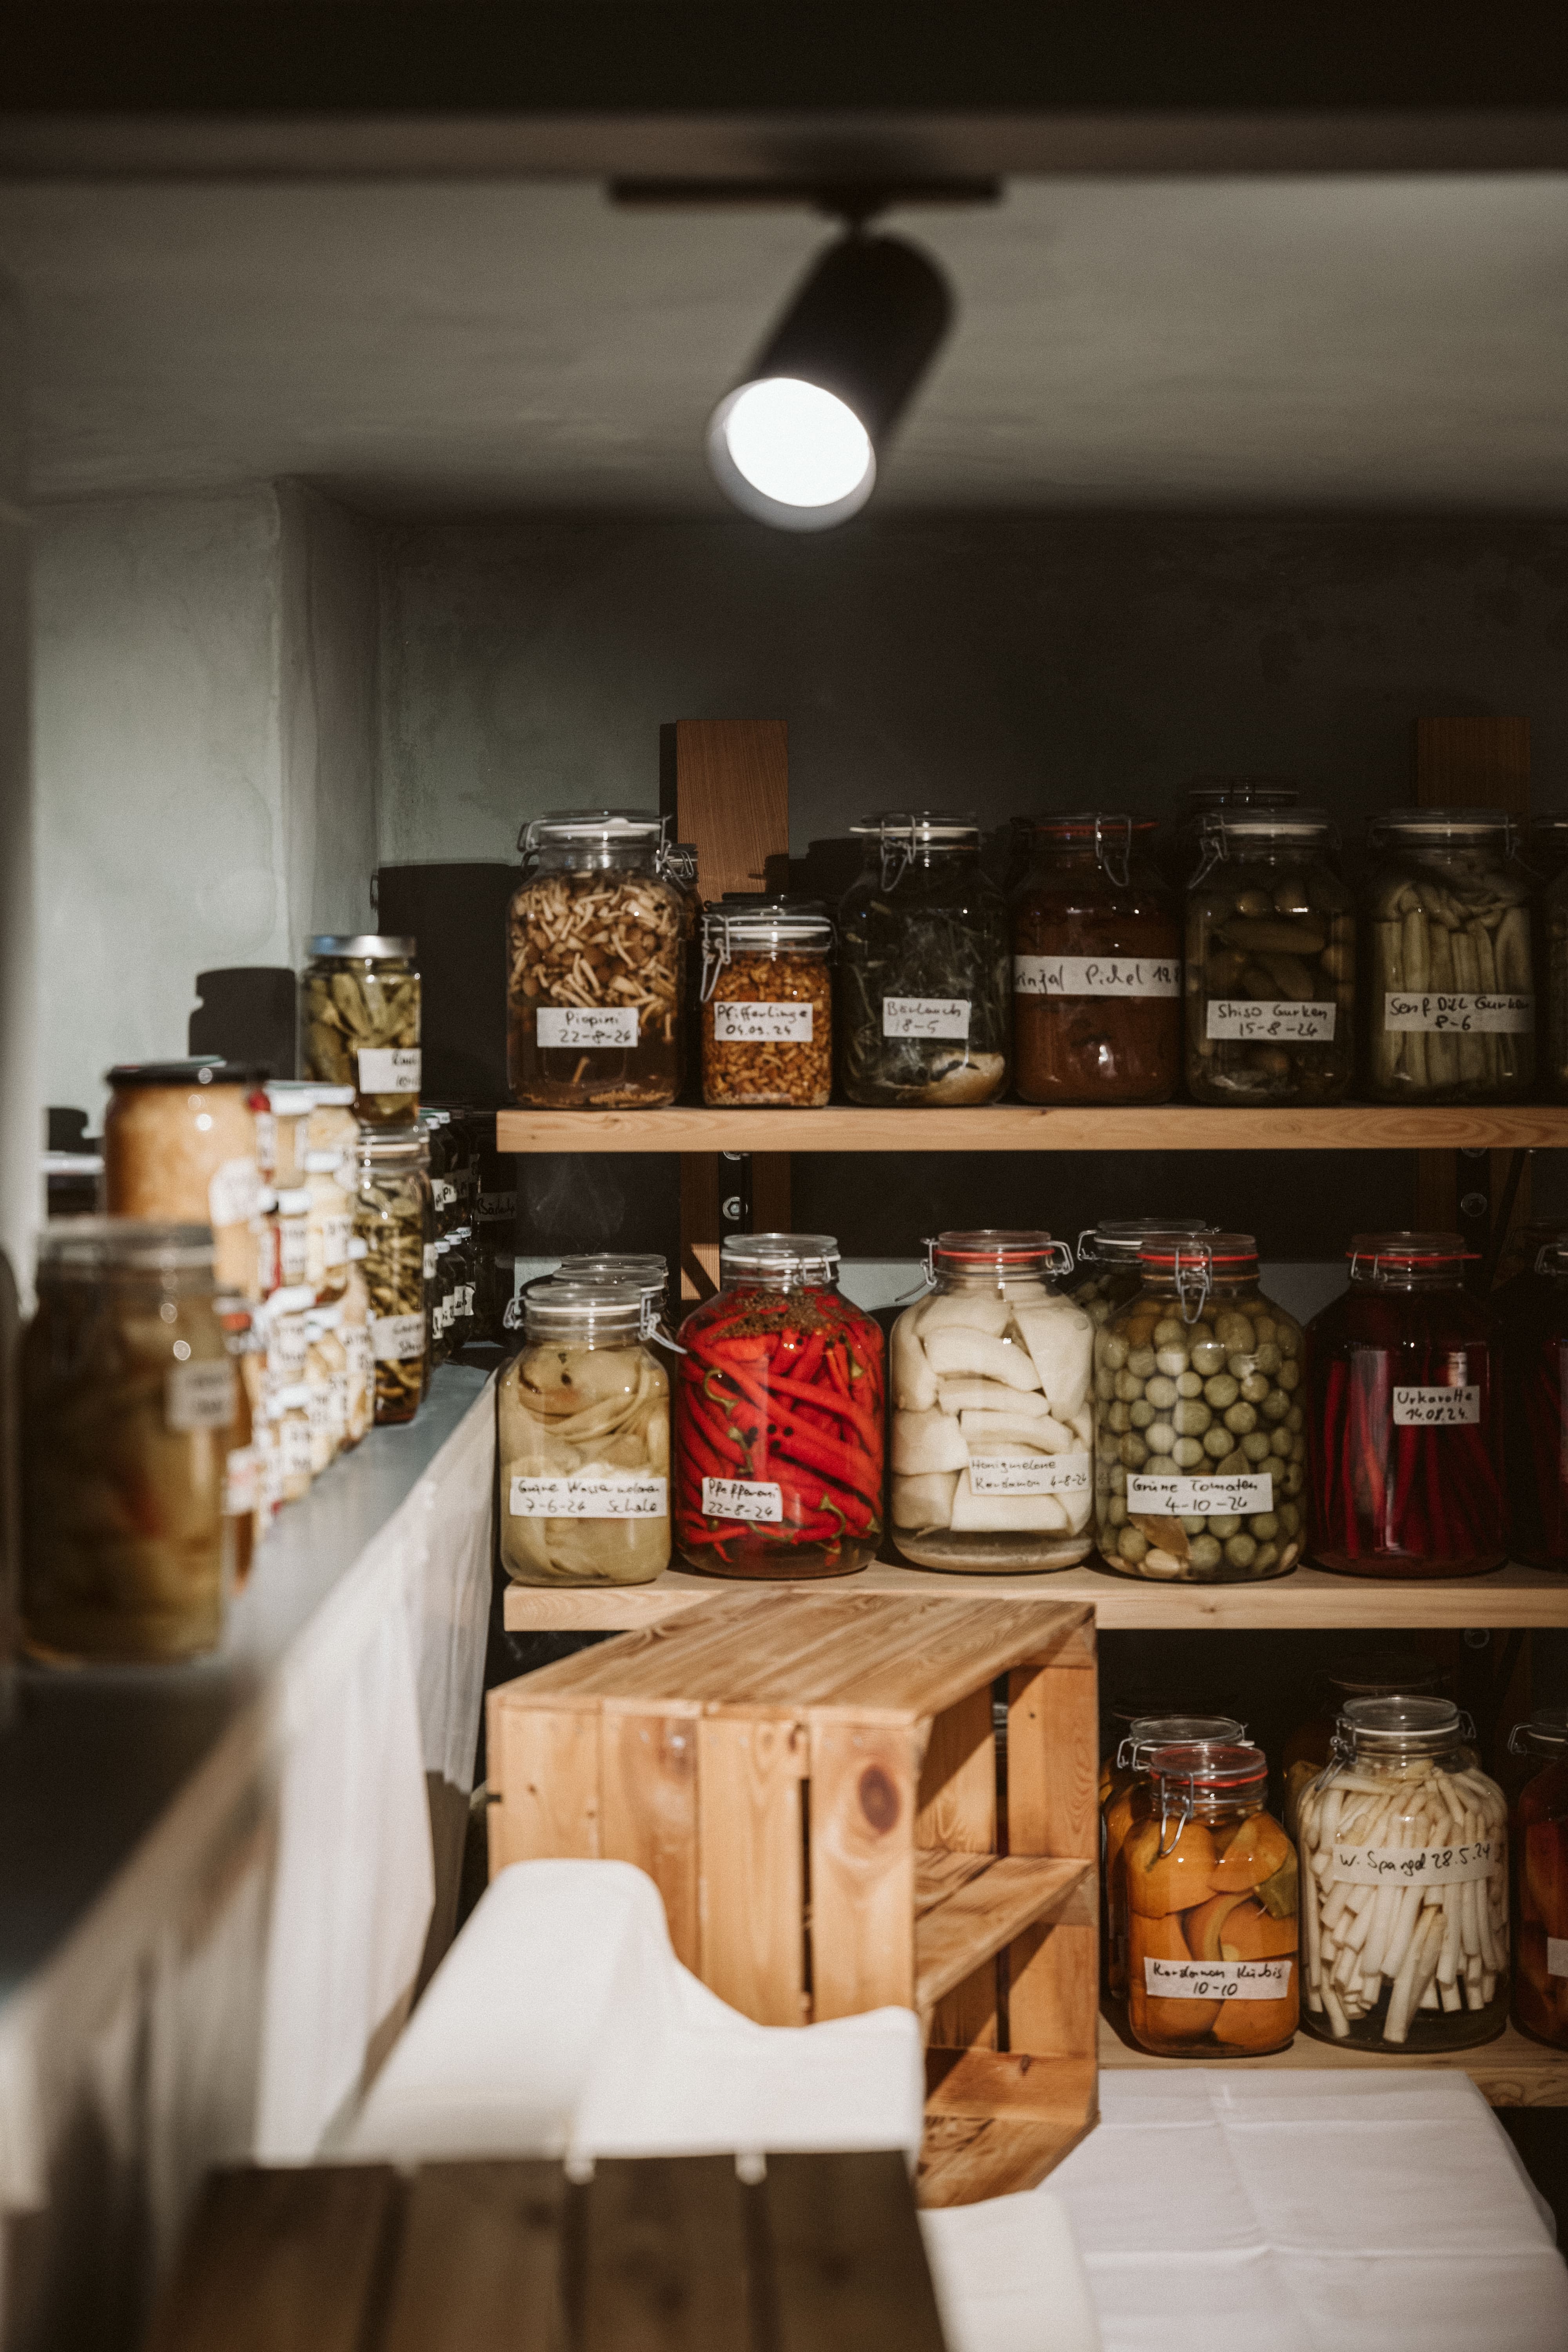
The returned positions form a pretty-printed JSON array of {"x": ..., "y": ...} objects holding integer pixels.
[{"x": 1383, "y": 343}]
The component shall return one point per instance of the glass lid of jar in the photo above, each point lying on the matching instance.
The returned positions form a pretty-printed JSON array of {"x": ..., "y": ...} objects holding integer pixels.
[
  {"x": 1381, "y": 1673},
  {"x": 1108, "y": 836},
  {"x": 1149, "y": 1732},
  {"x": 198, "y": 1070},
  {"x": 1440, "y": 825},
  {"x": 632, "y": 828},
  {"x": 1403, "y": 1258},
  {"x": 1209, "y": 1765},
  {"x": 1227, "y": 1252},
  {"x": 644, "y": 1268},
  {"x": 1298, "y": 826},
  {"x": 602, "y": 1310},
  {"x": 918, "y": 826},
  {"x": 1397, "y": 1726},
  {"x": 84, "y": 1247},
  {"x": 990, "y": 1250},
  {"x": 1545, "y": 1734},
  {"x": 1122, "y": 1239},
  {"x": 392, "y": 1152},
  {"x": 765, "y": 923},
  {"x": 360, "y": 943},
  {"x": 779, "y": 1257},
  {"x": 1241, "y": 791}
]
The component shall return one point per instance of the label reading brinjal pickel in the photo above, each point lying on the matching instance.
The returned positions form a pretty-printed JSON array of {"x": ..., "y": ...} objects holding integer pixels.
[{"x": 1105, "y": 975}]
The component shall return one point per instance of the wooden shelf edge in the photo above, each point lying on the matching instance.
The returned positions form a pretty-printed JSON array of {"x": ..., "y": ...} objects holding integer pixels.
[
  {"x": 1511, "y": 2072},
  {"x": 981, "y": 1916},
  {"x": 997, "y": 2123}
]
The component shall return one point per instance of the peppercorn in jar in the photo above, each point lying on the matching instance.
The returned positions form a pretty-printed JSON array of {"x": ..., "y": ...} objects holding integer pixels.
[{"x": 767, "y": 1005}]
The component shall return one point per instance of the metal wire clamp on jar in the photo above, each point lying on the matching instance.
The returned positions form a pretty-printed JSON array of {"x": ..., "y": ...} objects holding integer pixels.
[
  {"x": 1200, "y": 1450},
  {"x": 1097, "y": 967},
  {"x": 767, "y": 1005},
  {"x": 1109, "y": 1260},
  {"x": 993, "y": 1430},
  {"x": 1207, "y": 1884},
  {"x": 1270, "y": 968},
  {"x": 1541, "y": 1878},
  {"x": 1405, "y": 1882},
  {"x": 359, "y": 1022},
  {"x": 1220, "y": 796},
  {"x": 1450, "y": 994},
  {"x": 595, "y": 964},
  {"x": 925, "y": 982},
  {"x": 1121, "y": 1780}
]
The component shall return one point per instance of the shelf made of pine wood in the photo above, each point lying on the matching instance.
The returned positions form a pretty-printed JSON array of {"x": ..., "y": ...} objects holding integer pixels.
[
  {"x": 969, "y": 1907},
  {"x": 1020, "y": 1126},
  {"x": 1308, "y": 1599},
  {"x": 1511, "y": 2072}
]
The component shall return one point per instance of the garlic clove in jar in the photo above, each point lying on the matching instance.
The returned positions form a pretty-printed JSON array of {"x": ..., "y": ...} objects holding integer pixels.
[
  {"x": 924, "y": 1501},
  {"x": 914, "y": 1382},
  {"x": 983, "y": 1396}
]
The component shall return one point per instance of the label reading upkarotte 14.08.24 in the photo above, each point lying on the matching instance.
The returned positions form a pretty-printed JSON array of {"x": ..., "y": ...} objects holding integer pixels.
[
  {"x": 1217, "y": 1979},
  {"x": 588, "y": 1498},
  {"x": 1437, "y": 1408},
  {"x": 742, "y": 1498},
  {"x": 1096, "y": 976},
  {"x": 1047, "y": 1473},
  {"x": 1271, "y": 1020},
  {"x": 742, "y": 1022},
  {"x": 925, "y": 1016}
]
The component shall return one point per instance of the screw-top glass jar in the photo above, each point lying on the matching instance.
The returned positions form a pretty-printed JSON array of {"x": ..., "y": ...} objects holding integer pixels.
[
  {"x": 180, "y": 1147},
  {"x": 1200, "y": 1449},
  {"x": 1097, "y": 967},
  {"x": 1270, "y": 968},
  {"x": 925, "y": 982},
  {"x": 767, "y": 1005},
  {"x": 1405, "y": 1879},
  {"x": 993, "y": 1429},
  {"x": 1205, "y": 1893},
  {"x": 1402, "y": 1403},
  {"x": 1121, "y": 1780},
  {"x": 1450, "y": 998},
  {"x": 1109, "y": 1260},
  {"x": 1541, "y": 1877},
  {"x": 359, "y": 1023},
  {"x": 582, "y": 1427},
  {"x": 394, "y": 1218},
  {"x": 1532, "y": 1310},
  {"x": 779, "y": 1442},
  {"x": 594, "y": 958}
]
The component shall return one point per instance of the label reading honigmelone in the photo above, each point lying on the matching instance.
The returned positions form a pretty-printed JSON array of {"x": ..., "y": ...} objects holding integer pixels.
[
  {"x": 740, "y": 1022},
  {"x": 1435, "y": 1013},
  {"x": 389, "y": 1069},
  {"x": 1437, "y": 1408},
  {"x": 1217, "y": 1979},
  {"x": 742, "y": 1498},
  {"x": 586, "y": 1497},
  {"x": 1427, "y": 1865},
  {"x": 199, "y": 1396},
  {"x": 1206, "y": 1499},
  {"x": 1271, "y": 1020},
  {"x": 585, "y": 1027},
  {"x": 1049, "y": 1474},
  {"x": 925, "y": 1016},
  {"x": 398, "y": 1339},
  {"x": 1097, "y": 975}
]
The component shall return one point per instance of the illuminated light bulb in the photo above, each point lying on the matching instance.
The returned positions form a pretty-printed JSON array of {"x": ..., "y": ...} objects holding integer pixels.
[{"x": 798, "y": 443}]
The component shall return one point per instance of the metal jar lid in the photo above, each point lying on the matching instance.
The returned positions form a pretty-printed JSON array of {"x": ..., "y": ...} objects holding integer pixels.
[
  {"x": 635, "y": 828},
  {"x": 1122, "y": 1239},
  {"x": 917, "y": 826},
  {"x": 360, "y": 943},
  {"x": 78, "y": 1248},
  {"x": 1546, "y": 1734},
  {"x": 597, "y": 1310},
  {"x": 196, "y": 1070},
  {"x": 767, "y": 924},
  {"x": 779, "y": 1257}
]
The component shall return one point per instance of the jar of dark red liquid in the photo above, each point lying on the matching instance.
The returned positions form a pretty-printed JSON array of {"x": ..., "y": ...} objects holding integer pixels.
[
  {"x": 1541, "y": 1878},
  {"x": 1097, "y": 967},
  {"x": 1402, "y": 1417},
  {"x": 1533, "y": 1313}
]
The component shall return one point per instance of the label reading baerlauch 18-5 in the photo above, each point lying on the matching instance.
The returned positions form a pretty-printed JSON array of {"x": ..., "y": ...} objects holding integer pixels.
[
  {"x": 740, "y": 1022},
  {"x": 1217, "y": 1979},
  {"x": 1435, "y": 1408},
  {"x": 581, "y": 1027},
  {"x": 1097, "y": 975},
  {"x": 389, "y": 1069},
  {"x": 1047, "y": 1473},
  {"x": 586, "y": 1497},
  {"x": 1271, "y": 1020},
  {"x": 1206, "y": 1499},
  {"x": 742, "y": 1498},
  {"x": 1497, "y": 1016},
  {"x": 925, "y": 1016}
]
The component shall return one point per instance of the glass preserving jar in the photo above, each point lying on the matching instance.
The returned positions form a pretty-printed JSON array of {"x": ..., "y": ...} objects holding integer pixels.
[
  {"x": 127, "y": 1414},
  {"x": 242, "y": 1464},
  {"x": 760, "y": 1489},
  {"x": 180, "y": 1147},
  {"x": 438, "y": 1303},
  {"x": 283, "y": 1130},
  {"x": 1532, "y": 1312},
  {"x": 1121, "y": 1777},
  {"x": 1402, "y": 1406},
  {"x": 1097, "y": 967},
  {"x": 1450, "y": 1000},
  {"x": 393, "y": 1217},
  {"x": 1405, "y": 1873},
  {"x": 330, "y": 1127},
  {"x": 291, "y": 1214},
  {"x": 329, "y": 1225},
  {"x": 925, "y": 981},
  {"x": 291, "y": 1416},
  {"x": 767, "y": 1005},
  {"x": 1200, "y": 1448},
  {"x": 1552, "y": 974},
  {"x": 1109, "y": 1260},
  {"x": 354, "y": 1332},
  {"x": 1219, "y": 796},
  {"x": 648, "y": 1275},
  {"x": 1270, "y": 970},
  {"x": 1541, "y": 1877},
  {"x": 285, "y": 1341},
  {"x": 359, "y": 1023},
  {"x": 1380, "y": 1674},
  {"x": 327, "y": 1379},
  {"x": 582, "y": 1429},
  {"x": 595, "y": 965},
  {"x": 1206, "y": 1892},
  {"x": 993, "y": 1426},
  {"x": 464, "y": 1271}
]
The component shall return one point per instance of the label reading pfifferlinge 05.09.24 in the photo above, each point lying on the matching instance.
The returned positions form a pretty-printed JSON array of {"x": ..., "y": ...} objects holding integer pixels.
[
  {"x": 1096, "y": 976},
  {"x": 1496, "y": 1016},
  {"x": 1217, "y": 1979},
  {"x": 1047, "y": 1473},
  {"x": 740, "y": 1022},
  {"x": 581, "y": 1027},
  {"x": 587, "y": 1498},
  {"x": 1437, "y": 1408},
  {"x": 1206, "y": 1499},
  {"x": 742, "y": 1498},
  {"x": 1424, "y": 1865},
  {"x": 1271, "y": 1020},
  {"x": 925, "y": 1016}
]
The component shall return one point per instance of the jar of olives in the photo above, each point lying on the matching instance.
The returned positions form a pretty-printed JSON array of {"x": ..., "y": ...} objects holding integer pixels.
[
  {"x": 1199, "y": 1446},
  {"x": 1270, "y": 979},
  {"x": 1450, "y": 1008},
  {"x": 925, "y": 979},
  {"x": 1097, "y": 967},
  {"x": 1111, "y": 1266}
]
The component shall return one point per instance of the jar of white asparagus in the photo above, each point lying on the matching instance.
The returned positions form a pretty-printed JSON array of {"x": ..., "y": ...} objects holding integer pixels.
[
  {"x": 1450, "y": 1008},
  {"x": 1404, "y": 1884},
  {"x": 993, "y": 1424}
]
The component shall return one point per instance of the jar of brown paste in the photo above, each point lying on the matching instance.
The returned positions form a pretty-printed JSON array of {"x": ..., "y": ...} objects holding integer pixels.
[{"x": 1097, "y": 967}]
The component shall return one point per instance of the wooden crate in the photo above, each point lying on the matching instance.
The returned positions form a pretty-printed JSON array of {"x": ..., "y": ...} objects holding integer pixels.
[
  {"x": 814, "y": 1783},
  {"x": 824, "y": 2255}
]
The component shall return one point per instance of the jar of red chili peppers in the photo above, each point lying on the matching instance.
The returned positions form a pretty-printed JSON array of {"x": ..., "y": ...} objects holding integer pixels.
[
  {"x": 1097, "y": 967},
  {"x": 779, "y": 1431},
  {"x": 1533, "y": 1312},
  {"x": 1402, "y": 1411}
]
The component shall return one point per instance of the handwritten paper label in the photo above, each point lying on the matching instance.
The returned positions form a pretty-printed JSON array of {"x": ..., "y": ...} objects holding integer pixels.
[
  {"x": 287, "y": 1344},
  {"x": 293, "y": 1250},
  {"x": 337, "y": 1231},
  {"x": 579, "y": 1026},
  {"x": 398, "y": 1339},
  {"x": 496, "y": 1207},
  {"x": 1204, "y": 1499},
  {"x": 742, "y": 1498},
  {"x": 1425, "y": 1865},
  {"x": 589, "y": 1499},
  {"x": 1217, "y": 1979},
  {"x": 1557, "y": 1956},
  {"x": 1051, "y": 1473},
  {"x": 389, "y": 1069},
  {"x": 1506, "y": 1016},
  {"x": 1437, "y": 1408},
  {"x": 1269, "y": 1020},
  {"x": 294, "y": 1447},
  {"x": 925, "y": 1016},
  {"x": 199, "y": 1396},
  {"x": 1096, "y": 976},
  {"x": 241, "y": 1482},
  {"x": 233, "y": 1193},
  {"x": 741, "y": 1023}
]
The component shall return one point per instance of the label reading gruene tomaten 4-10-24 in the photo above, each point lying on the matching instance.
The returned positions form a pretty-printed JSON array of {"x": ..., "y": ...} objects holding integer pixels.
[
  {"x": 1047, "y": 1473},
  {"x": 578, "y": 1026},
  {"x": 1217, "y": 1979},
  {"x": 1096, "y": 976},
  {"x": 1205, "y": 1499},
  {"x": 1427, "y": 1865},
  {"x": 1271, "y": 1020},
  {"x": 1437, "y": 1408},
  {"x": 1497, "y": 1016},
  {"x": 925, "y": 1016},
  {"x": 740, "y": 1022},
  {"x": 742, "y": 1498},
  {"x": 588, "y": 1498}
]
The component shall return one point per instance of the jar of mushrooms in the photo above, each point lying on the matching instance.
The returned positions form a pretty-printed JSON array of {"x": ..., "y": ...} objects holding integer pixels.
[
  {"x": 1450, "y": 1001},
  {"x": 1270, "y": 975},
  {"x": 767, "y": 1005}
]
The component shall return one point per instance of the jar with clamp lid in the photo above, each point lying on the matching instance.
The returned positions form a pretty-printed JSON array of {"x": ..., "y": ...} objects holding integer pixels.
[
  {"x": 392, "y": 1218},
  {"x": 181, "y": 1145},
  {"x": 649, "y": 1274},
  {"x": 1450, "y": 1004},
  {"x": 1200, "y": 1448},
  {"x": 1533, "y": 1313},
  {"x": 1097, "y": 967},
  {"x": 767, "y": 1005},
  {"x": 1404, "y": 1880},
  {"x": 583, "y": 1428},
  {"x": 1541, "y": 1877},
  {"x": 925, "y": 982},
  {"x": 1122, "y": 1779},
  {"x": 359, "y": 1023},
  {"x": 992, "y": 1421},
  {"x": 1270, "y": 968},
  {"x": 1109, "y": 1262},
  {"x": 1206, "y": 1883},
  {"x": 1377, "y": 1673}
]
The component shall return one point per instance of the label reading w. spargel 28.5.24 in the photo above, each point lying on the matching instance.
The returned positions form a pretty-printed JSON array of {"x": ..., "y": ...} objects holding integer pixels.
[
  {"x": 582, "y": 1026},
  {"x": 1436, "y": 1408},
  {"x": 1206, "y": 1499},
  {"x": 586, "y": 1497},
  {"x": 1425, "y": 1865},
  {"x": 1217, "y": 1979},
  {"x": 1047, "y": 1473},
  {"x": 1097, "y": 975},
  {"x": 925, "y": 1016},
  {"x": 742, "y": 1498},
  {"x": 1271, "y": 1020},
  {"x": 742, "y": 1022}
]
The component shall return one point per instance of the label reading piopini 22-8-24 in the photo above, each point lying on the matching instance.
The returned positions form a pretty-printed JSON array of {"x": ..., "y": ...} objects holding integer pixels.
[
  {"x": 1217, "y": 1979},
  {"x": 1435, "y": 1408},
  {"x": 925, "y": 1016},
  {"x": 742, "y": 1498},
  {"x": 1497, "y": 1016},
  {"x": 582, "y": 1028},
  {"x": 1097, "y": 975}
]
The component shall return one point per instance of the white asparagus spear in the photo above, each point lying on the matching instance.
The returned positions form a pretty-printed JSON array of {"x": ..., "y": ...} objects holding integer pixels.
[
  {"x": 1339, "y": 2023},
  {"x": 1419, "y": 1967}
]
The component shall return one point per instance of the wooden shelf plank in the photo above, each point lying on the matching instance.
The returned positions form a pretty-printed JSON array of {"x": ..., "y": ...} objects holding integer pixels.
[
  {"x": 1308, "y": 1599},
  {"x": 998, "y": 2122},
  {"x": 1020, "y": 1126},
  {"x": 979, "y": 1911},
  {"x": 1511, "y": 2072}
]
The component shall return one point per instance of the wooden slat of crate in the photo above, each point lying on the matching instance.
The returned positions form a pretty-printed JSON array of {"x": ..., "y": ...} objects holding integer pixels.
[
  {"x": 998, "y": 2122},
  {"x": 863, "y": 1779},
  {"x": 665, "y": 2258},
  {"x": 751, "y": 1860},
  {"x": 848, "y": 2266},
  {"x": 1053, "y": 1809},
  {"x": 479, "y": 2264},
  {"x": 274, "y": 2260},
  {"x": 956, "y": 1812},
  {"x": 987, "y": 1912},
  {"x": 648, "y": 1812},
  {"x": 547, "y": 1761}
]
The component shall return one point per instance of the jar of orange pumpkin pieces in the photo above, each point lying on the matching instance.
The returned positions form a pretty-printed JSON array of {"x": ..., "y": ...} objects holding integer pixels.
[
  {"x": 1121, "y": 1777},
  {"x": 1208, "y": 1879}
]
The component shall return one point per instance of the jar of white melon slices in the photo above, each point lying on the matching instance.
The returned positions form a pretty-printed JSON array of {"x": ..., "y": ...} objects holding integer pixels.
[{"x": 992, "y": 1410}]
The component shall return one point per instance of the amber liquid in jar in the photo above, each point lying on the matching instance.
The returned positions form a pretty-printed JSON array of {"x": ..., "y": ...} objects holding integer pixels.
[{"x": 1097, "y": 968}]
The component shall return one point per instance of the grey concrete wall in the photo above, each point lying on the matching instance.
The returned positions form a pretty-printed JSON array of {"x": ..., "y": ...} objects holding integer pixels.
[
  {"x": 20, "y": 1117},
  {"x": 329, "y": 631}
]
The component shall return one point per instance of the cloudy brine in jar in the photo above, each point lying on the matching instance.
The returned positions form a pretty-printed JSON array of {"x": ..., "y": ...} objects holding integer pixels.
[
  {"x": 925, "y": 982},
  {"x": 1270, "y": 963}
]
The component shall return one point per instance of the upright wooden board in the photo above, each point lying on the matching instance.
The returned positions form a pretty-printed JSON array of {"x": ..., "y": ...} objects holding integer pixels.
[
  {"x": 274, "y": 2260},
  {"x": 546, "y": 1765},
  {"x": 479, "y": 2262},
  {"x": 753, "y": 1951},
  {"x": 665, "y": 2258},
  {"x": 862, "y": 1867},
  {"x": 732, "y": 798},
  {"x": 648, "y": 1800},
  {"x": 1053, "y": 1808},
  {"x": 956, "y": 1811},
  {"x": 848, "y": 2266}
]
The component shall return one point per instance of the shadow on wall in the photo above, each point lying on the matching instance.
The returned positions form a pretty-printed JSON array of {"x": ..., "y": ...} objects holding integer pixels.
[{"x": 247, "y": 1014}]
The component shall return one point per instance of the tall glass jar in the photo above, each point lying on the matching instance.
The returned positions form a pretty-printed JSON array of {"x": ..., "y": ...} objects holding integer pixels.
[
  {"x": 1270, "y": 975},
  {"x": 1122, "y": 1778},
  {"x": 1404, "y": 1874},
  {"x": 595, "y": 965},
  {"x": 1380, "y": 1674},
  {"x": 925, "y": 982},
  {"x": 582, "y": 1427},
  {"x": 1206, "y": 1891},
  {"x": 354, "y": 1332},
  {"x": 779, "y": 1432},
  {"x": 1541, "y": 1877},
  {"x": 180, "y": 1147},
  {"x": 1219, "y": 796},
  {"x": 992, "y": 1427},
  {"x": 1097, "y": 967},
  {"x": 329, "y": 1225},
  {"x": 128, "y": 1409},
  {"x": 767, "y": 1005},
  {"x": 392, "y": 1218},
  {"x": 1200, "y": 1449},
  {"x": 1450, "y": 994},
  {"x": 359, "y": 1023},
  {"x": 1403, "y": 1410},
  {"x": 1533, "y": 1313},
  {"x": 1109, "y": 1259},
  {"x": 648, "y": 1275}
]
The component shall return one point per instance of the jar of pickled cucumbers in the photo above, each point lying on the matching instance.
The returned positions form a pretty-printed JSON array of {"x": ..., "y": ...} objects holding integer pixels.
[
  {"x": 1122, "y": 1777},
  {"x": 1270, "y": 968},
  {"x": 1110, "y": 1268},
  {"x": 393, "y": 1217},
  {"x": 128, "y": 1406},
  {"x": 582, "y": 1429},
  {"x": 1450, "y": 1004},
  {"x": 1404, "y": 1880},
  {"x": 925, "y": 978},
  {"x": 1541, "y": 1877},
  {"x": 992, "y": 1428},
  {"x": 1207, "y": 1887},
  {"x": 1199, "y": 1441},
  {"x": 359, "y": 1023}
]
